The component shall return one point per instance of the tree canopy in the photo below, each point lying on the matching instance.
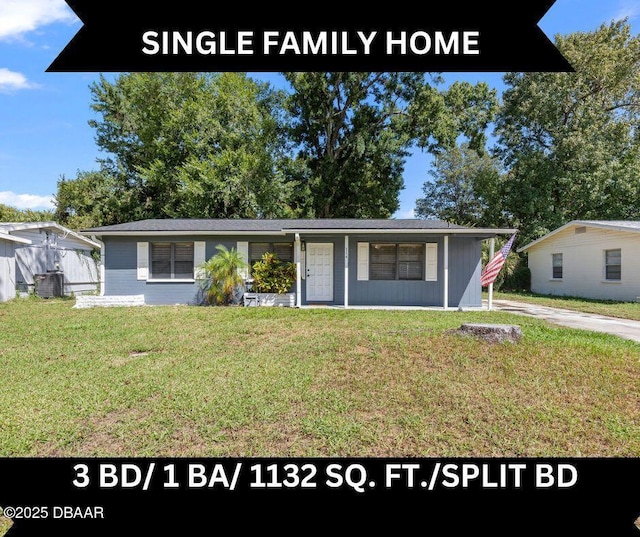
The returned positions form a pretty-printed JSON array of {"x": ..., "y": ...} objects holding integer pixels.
[
  {"x": 570, "y": 141},
  {"x": 354, "y": 130},
  {"x": 567, "y": 144},
  {"x": 180, "y": 145},
  {"x": 12, "y": 214},
  {"x": 223, "y": 145},
  {"x": 463, "y": 187}
]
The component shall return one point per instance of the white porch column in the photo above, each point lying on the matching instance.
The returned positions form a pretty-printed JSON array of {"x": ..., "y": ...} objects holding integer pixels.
[
  {"x": 297, "y": 257},
  {"x": 346, "y": 271},
  {"x": 445, "y": 301},
  {"x": 492, "y": 246}
]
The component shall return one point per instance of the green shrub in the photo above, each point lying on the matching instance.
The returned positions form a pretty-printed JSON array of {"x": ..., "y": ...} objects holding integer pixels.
[
  {"x": 271, "y": 275},
  {"x": 519, "y": 279}
]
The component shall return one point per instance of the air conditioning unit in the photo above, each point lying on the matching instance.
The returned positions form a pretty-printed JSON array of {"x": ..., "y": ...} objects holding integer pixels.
[{"x": 49, "y": 284}]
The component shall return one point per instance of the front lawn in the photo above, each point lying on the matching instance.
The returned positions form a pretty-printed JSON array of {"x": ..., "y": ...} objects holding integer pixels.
[
  {"x": 624, "y": 310},
  {"x": 196, "y": 381}
]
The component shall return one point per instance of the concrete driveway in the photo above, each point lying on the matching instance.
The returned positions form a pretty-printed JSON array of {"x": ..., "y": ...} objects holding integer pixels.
[{"x": 573, "y": 319}]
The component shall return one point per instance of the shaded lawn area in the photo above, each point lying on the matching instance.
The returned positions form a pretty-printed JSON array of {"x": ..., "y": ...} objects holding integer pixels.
[
  {"x": 612, "y": 308},
  {"x": 195, "y": 381}
]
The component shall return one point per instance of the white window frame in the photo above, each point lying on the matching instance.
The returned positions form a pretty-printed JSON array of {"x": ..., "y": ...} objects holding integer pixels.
[
  {"x": 606, "y": 265},
  {"x": 553, "y": 276}
]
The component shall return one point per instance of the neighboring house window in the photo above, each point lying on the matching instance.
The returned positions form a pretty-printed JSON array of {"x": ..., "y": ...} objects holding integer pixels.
[
  {"x": 613, "y": 264},
  {"x": 171, "y": 260},
  {"x": 284, "y": 251},
  {"x": 556, "y": 261},
  {"x": 396, "y": 261}
]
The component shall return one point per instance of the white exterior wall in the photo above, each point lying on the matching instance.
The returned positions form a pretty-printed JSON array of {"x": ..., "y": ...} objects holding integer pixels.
[
  {"x": 583, "y": 264},
  {"x": 7, "y": 271},
  {"x": 72, "y": 257}
]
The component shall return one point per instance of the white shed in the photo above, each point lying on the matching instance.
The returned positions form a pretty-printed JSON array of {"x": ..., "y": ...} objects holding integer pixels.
[
  {"x": 8, "y": 265},
  {"x": 50, "y": 248},
  {"x": 597, "y": 259}
]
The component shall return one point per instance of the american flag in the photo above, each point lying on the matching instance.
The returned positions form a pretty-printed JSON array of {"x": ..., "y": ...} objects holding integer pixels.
[{"x": 490, "y": 272}]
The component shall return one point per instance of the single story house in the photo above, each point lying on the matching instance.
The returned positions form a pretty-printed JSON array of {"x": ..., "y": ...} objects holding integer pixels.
[
  {"x": 8, "y": 265},
  {"x": 597, "y": 259},
  {"x": 340, "y": 262},
  {"x": 52, "y": 253}
]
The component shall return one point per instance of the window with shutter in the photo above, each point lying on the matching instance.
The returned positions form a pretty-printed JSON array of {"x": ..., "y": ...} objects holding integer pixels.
[
  {"x": 396, "y": 261},
  {"x": 171, "y": 260}
]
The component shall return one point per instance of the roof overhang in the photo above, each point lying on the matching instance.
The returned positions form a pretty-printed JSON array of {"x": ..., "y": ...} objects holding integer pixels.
[
  {"x": 181, "y": 233},
  {"x": 12, "y": 238},
  {"x": 24, "y": 226},
  {"x": 364, "y": 231},
  {"x": 578, "y": 223},
  {"x": 433, "y": 231}
]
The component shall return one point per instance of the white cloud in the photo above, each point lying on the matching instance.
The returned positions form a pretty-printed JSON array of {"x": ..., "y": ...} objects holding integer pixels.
[
  {"x": 627, "y": 9},
  {"x": 407, "y": 214},
  {"x": 18, "y": 17},
  {"x": 26, "y": 201},
  {"x": 12, "y": 80}
]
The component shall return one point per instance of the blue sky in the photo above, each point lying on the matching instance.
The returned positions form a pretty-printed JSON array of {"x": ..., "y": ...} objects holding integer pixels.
[{"x": 43, "y": 116}]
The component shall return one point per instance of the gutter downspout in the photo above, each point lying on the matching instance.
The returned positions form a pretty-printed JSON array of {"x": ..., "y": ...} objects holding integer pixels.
[{"x": 346, "y": 271}]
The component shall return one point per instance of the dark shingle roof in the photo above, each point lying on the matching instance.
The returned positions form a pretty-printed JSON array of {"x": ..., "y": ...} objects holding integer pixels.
[{"x": 262, "y": 225}]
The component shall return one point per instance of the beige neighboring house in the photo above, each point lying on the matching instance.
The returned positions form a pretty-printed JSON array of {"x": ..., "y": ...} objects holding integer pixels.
[{"x": 587, "y": 258}]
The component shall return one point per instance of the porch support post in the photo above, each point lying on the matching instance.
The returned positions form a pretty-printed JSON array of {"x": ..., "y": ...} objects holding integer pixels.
[
  {"x": 298, "y": 257},
  {"x": 445, "y": 300},
  {"x": 492, "y": 246},
  {"x": 346, "y": 271}
]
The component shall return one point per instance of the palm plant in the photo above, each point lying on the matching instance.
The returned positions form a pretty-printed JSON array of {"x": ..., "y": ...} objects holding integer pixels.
[{"x": 223, "y": 277}]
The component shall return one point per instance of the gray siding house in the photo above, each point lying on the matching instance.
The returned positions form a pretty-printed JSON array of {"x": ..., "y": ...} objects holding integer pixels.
[{"x": 341, "y": 262}]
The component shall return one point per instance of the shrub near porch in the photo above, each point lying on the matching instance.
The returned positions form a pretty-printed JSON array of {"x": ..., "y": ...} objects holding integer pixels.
[{"x": 273, "y": 280}]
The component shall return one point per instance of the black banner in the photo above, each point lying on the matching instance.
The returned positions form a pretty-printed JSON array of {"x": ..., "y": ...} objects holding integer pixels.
[
  {"x": 161, "y": 496},
  {"x": 457, "y": 35}
]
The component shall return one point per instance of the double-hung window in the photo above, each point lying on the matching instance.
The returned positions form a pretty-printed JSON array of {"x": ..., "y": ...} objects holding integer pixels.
[
  {"x": 556, "y": 264},
  {"x": 171, "y": 260},
  {"x": 613, "y": 265}
]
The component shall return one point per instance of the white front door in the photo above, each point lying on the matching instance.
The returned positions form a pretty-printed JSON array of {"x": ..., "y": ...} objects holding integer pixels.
[{"x": 320, "y": 272}]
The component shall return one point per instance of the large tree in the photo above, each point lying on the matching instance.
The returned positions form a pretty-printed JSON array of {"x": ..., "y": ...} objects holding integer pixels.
[
  {"x": 464, "y": 188},
  {"x": 94, "y": 198},
  {"x": 353, "y": 131},
  {"x": 570, "y": 141},
  {"x": 182, "y": 145}
]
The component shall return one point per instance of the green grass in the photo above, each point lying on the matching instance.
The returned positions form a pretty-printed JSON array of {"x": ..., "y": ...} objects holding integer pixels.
[
  {"x": 194, "y": 381},
  {"x": 624, "y": 310}
]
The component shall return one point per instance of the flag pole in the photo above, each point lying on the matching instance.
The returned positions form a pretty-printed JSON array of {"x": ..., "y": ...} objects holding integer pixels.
[{"x": 492, "y": 246}]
